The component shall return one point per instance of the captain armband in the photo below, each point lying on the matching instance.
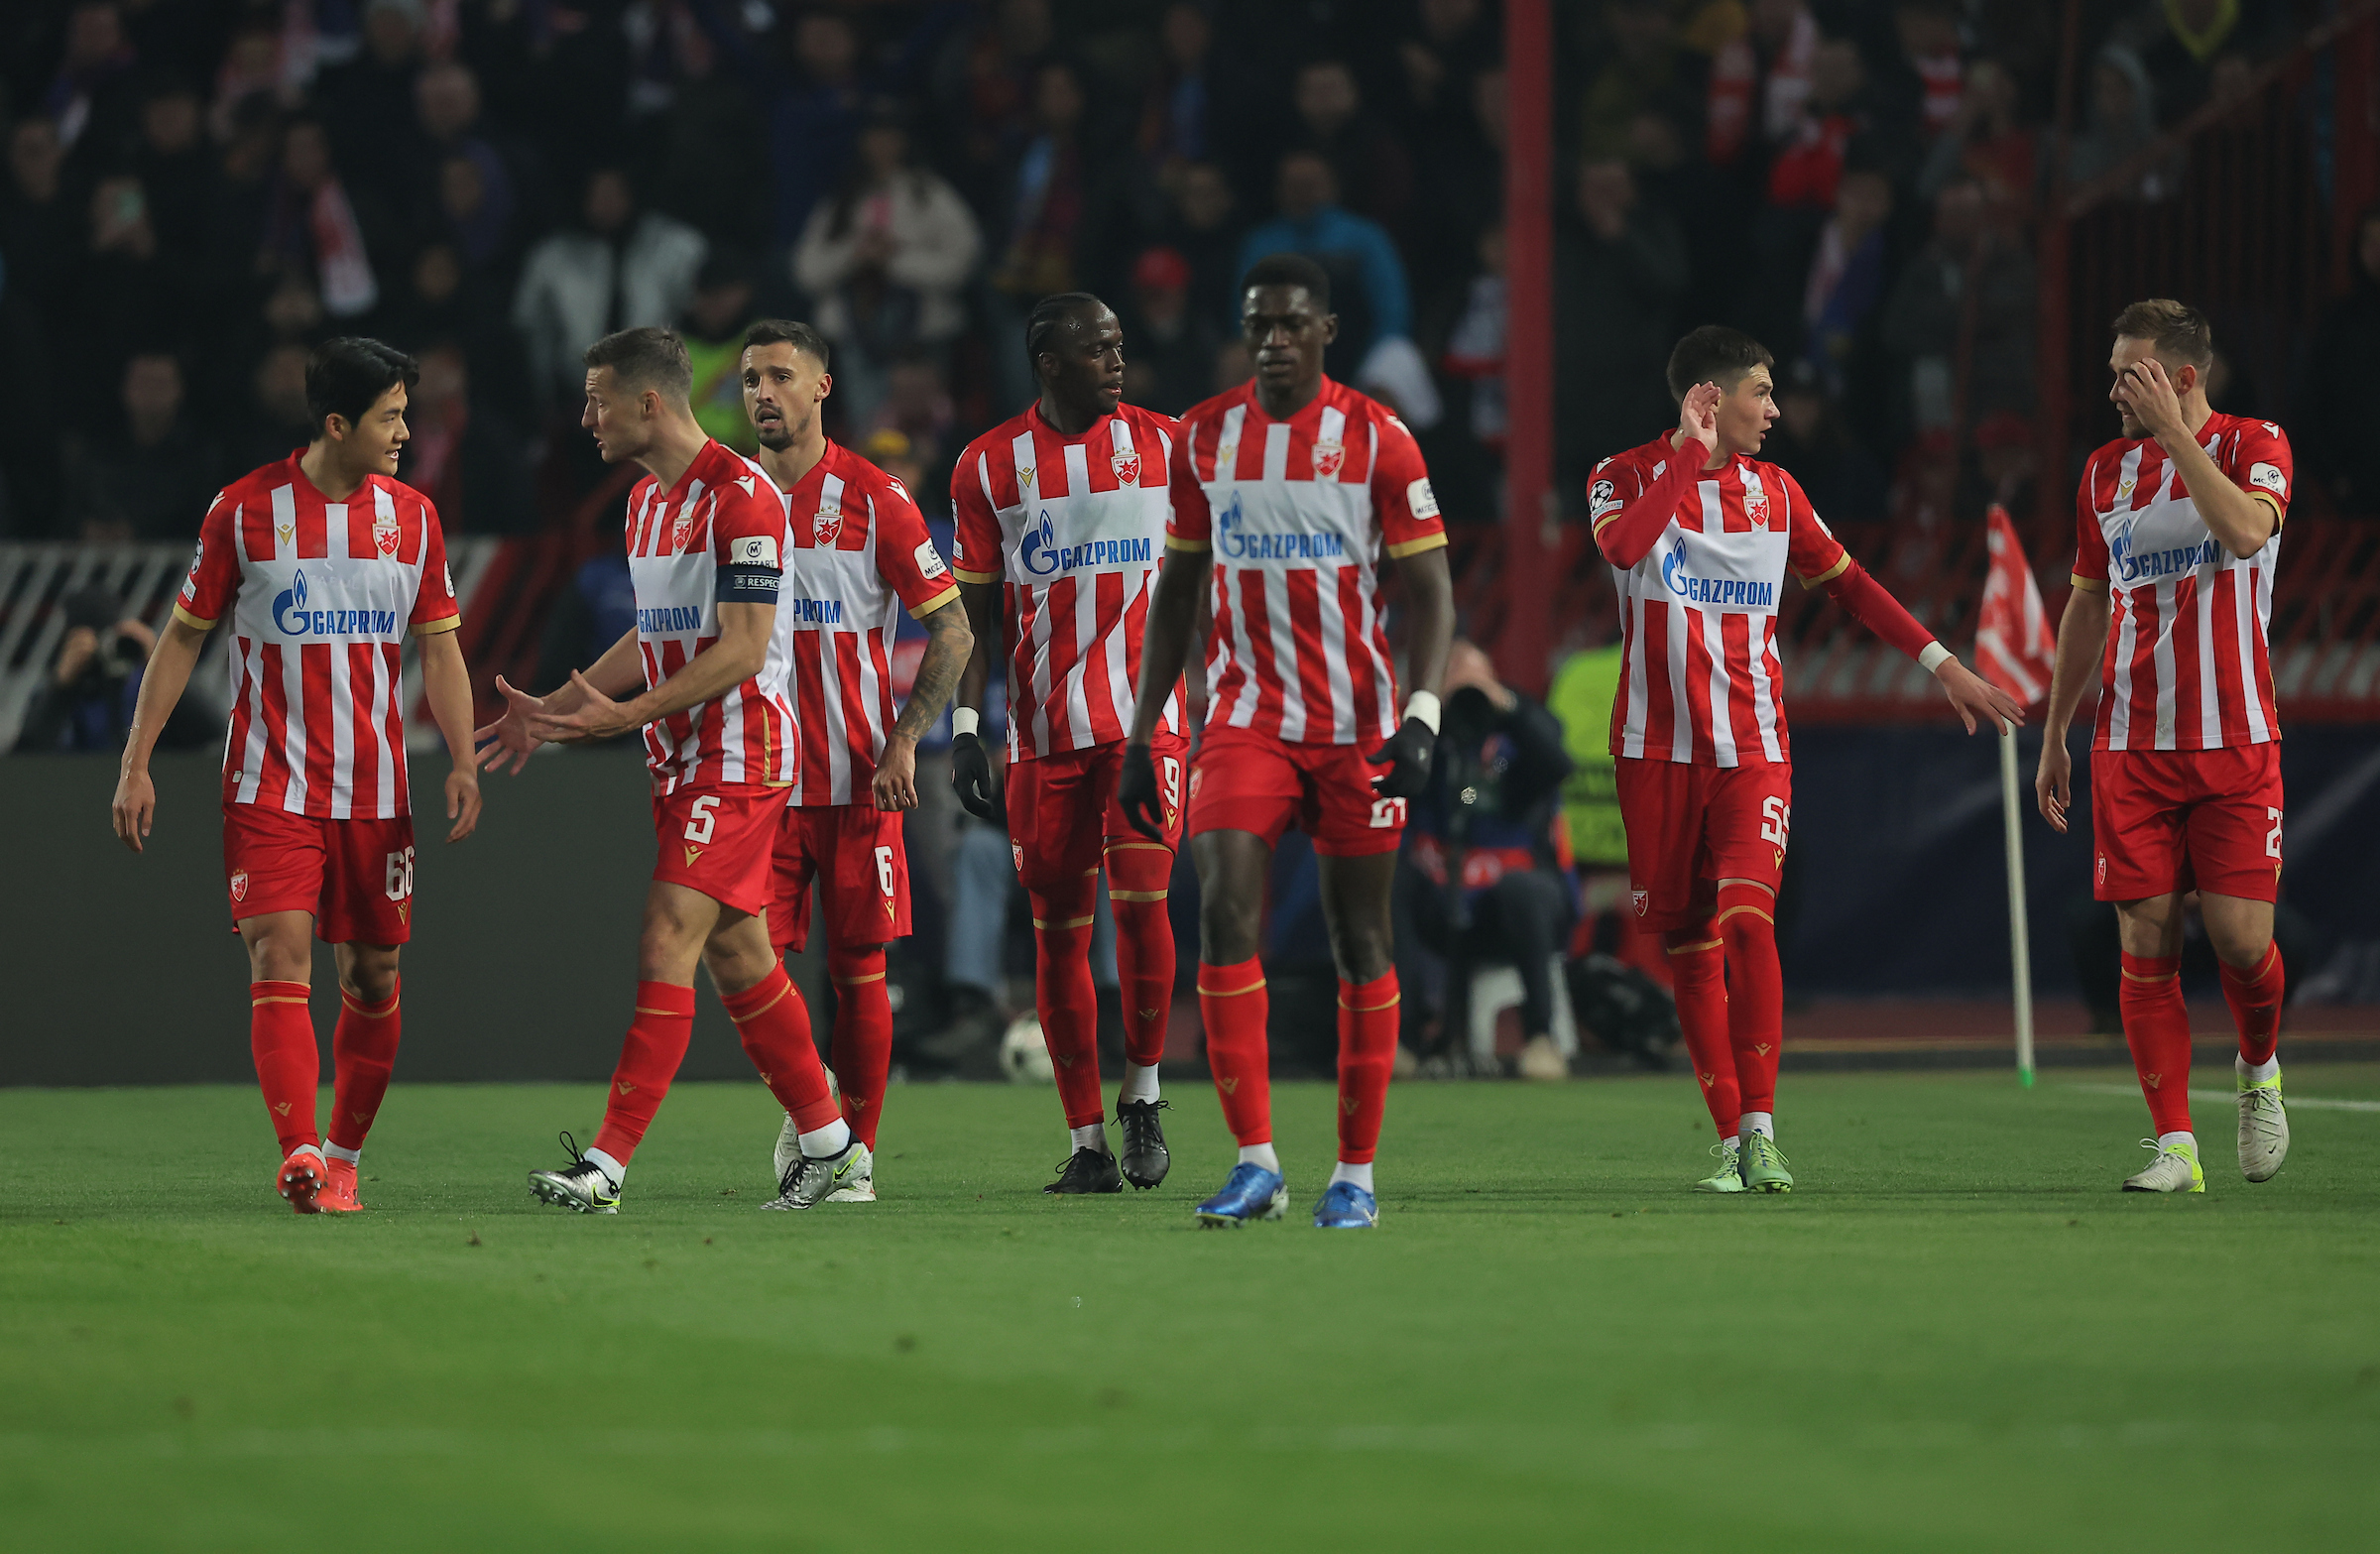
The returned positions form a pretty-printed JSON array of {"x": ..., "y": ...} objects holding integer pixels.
[{"x": 746, "y": 582}]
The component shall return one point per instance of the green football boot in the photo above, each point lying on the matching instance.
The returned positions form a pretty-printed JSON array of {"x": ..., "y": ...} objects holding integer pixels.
[
  {"x": 1763, "y": 1165},
  {"x": 1729, "y": 1175}
]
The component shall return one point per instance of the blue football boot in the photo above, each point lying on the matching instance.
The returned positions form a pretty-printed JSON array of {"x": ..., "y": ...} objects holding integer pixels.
[
  {"x": 1346, "y": 1207},
  {"x": 1251, "y": 1193}
]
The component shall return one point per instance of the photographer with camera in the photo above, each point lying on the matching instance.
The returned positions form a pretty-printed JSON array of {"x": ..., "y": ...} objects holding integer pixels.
[{"x": 86, "y": 702}]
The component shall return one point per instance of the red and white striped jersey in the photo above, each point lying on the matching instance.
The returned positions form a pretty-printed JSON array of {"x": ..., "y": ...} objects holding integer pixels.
[
  {"x": 1297, "y": 513},
  {"x": 859, "y": 554},
  {"x": 1073, "y": 526},
  {"x": 724, "y": 511},
  {"x": 2187, "y": 665},
  {"x": 321, "y": 595},
  {"x": 1701, "y": 681}
]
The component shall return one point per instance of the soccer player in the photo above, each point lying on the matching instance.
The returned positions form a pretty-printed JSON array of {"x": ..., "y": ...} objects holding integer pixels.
[
  {"x": 707, "y": 543},
  {"x": 1062, "y": 511},
  {"x": 324, "y": 562},
  {"x": 859, "y": 554},
  {"x": 2178, "y": 528},
  {"x": 1287, "y": 491},
  {"x": 1701, "y": 537}
]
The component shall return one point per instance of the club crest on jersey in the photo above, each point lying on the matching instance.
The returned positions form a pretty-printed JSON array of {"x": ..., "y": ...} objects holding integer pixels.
[
  {"x": 386, "y": 534},
  {"x": 1755, "y": 508},
  {"x": 1643, "y": 900},
  {"x": 1328, "y": 456},
  {"x": 829, "y": 522},
  {"x": 1126, "y": 463},
  {"x": 681, "y": 530},
  {"x": 239, "y": 885}
]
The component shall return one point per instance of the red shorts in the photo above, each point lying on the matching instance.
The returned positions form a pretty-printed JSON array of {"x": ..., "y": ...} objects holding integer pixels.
[
  {"x": 1062, "y": 809},
  {"x": 720, "y": 840},
  {"x": 1692, "y": 826},
  {"x": 855, "y": 853},
  {"x": 355, "y": 876},
  {"x": 1247, "y": 781},
  {"x": 2167, "y": 820}
]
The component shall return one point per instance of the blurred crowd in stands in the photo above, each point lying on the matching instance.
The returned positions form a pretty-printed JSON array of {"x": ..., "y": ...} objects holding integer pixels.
[{"x": 196, "y": 190}]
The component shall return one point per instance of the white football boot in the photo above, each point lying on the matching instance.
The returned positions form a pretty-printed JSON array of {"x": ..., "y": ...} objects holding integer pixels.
[
  {"x": 2174, "y": 1171},
  {"x": 2263, "y": 1125}
]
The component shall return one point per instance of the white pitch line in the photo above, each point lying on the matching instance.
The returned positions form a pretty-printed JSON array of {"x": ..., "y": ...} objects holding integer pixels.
[{"x": 2296, "y": 1102}]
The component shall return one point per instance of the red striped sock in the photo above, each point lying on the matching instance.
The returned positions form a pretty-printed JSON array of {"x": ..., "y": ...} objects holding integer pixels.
[
  {"x": 649, "y": 1057},
  {"x": 1233, "y": 1004},
  {"x": 862, "y": 1044},
  {"x": 1697, "y": 978},
  {"x": 775, "y": 1026},
  {"x": 1068, "y": 1004},
  {"x": 1367, "y": 1015},
  {"x": 2157, "y": 1029},
  {"x": 288, "y": 1066},
  {"x": 363, "y": 1050},
  {"x": 2255, "y": 1000},
  {"x": 1138, "y": 873}
]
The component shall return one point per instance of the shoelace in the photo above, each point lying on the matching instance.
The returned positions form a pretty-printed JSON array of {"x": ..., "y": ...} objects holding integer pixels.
[
  {"x": 2263, "y": 1098},
  {"x": 2162, "y": 1152},
  {"x": 1727, "y": 1152},
  {"x": 578, "y": 1157}
]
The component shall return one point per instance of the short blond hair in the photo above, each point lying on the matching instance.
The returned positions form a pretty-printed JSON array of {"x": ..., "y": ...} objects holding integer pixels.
[{"x": 2177, "y": 331}]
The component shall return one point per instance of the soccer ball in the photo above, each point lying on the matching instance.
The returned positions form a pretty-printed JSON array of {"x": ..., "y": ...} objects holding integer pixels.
[{"x": 1024, "y": 1055}]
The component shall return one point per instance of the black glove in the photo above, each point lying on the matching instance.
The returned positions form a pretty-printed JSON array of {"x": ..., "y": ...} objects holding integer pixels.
[
  {"x": 971, "y": 778},
  {"x": 1407, "y": 756},
  {"x": 1137, "y": 794}
]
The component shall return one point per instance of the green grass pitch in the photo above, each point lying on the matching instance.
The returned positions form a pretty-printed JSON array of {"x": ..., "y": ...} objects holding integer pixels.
[{"x": 1957, "y": 1336}]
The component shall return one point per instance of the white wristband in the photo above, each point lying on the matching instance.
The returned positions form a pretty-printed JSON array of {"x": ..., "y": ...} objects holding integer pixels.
[
  {"x": 965, "y": 720},
  {"x": 1934, "y": 656},
  {"x": 1422, "y": 708}
]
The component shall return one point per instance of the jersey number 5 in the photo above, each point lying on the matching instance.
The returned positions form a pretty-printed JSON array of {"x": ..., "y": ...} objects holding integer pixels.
[
  {"x": 1776, "y": 819},
  {"x": 698, "y": 827}
]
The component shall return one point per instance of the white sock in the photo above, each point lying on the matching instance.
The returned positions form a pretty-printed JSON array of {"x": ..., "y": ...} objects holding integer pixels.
[
  {"x": 2187, "y": 1142},
  {"x": 1261, "y": 1154},
  {"x": 1093, "y": 1137},
  {"x": 612, "y": 1169},
  {"x": 353, "y": 1155},
  {"x": 821, "y": 1143},
  {"x": 303, "y": 1147},
  {"x": 1140, "y": 1084},
  {"x": 1751, "y": 1123},
  {"x": 1361, "y": 1175},
  {"x": 2258, "y": 1073}
]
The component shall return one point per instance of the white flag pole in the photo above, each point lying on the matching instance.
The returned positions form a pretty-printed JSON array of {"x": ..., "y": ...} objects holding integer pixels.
[{"x": 2019, "y": 943}]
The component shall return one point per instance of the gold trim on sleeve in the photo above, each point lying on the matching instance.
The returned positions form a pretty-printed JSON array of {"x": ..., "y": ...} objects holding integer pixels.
[
  {"x": 1177, "y": 542},
  {"x": 442, "y": 623},
  {"x": 2096, "y": 585},
  {"x": 921, "y": 612},
  {"x": 193, "y": 621},
  {"x": 1416, "y": 546},
  {"x": 965, "y": 576}
]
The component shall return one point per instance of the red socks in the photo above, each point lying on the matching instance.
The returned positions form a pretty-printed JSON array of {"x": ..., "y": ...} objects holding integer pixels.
[
  {"x": 1231, "y": 1004},
  {"x": 280, "y": 1033},
  {"x": 1367, "y": 1015},
  {"x": 1698, "y": 977},
  {"x": 1747, "y": 921},
  {"x": 1137, "y": 876},
  {"x": 648, "y": 1058},
  {"x": 775, "y": 1026},
  {"x": 2255, "y": 1000},
  {"x": 2157, "y": 1029},
  {"x": 363, "y": 1050},
  {"x": 863, "y": 1046},
  {"x": 1063, "y": 994}
]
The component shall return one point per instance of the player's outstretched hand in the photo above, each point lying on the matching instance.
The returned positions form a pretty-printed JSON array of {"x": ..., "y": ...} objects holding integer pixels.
[
  {"x": 508, "y": 739},
  {"x": 1698, "y": 418},
  {"x": 1407, "y": 756},
  {"x": 894, "y": 785},
  {"x": 1974, "y": 696},
  {"x": 596, "y": 716},
  {"x": 2054, "y": 783},
  {"x": 462, "y": 802},
  {"x": 971, "y": 777},
  {"x": 134, "y": 809},
  {"x": 1137, "y": 792}
]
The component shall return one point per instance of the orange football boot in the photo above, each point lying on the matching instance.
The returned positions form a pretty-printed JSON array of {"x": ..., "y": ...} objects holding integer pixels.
[
  {"x": 303, "y": 1179},
  {"x": 339, "y": 1196}
]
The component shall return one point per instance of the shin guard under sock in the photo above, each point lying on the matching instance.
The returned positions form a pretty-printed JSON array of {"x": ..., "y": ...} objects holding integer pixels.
[
  {"x": 1137, "y": 876},
  {"x": 1065, "y": 999},
  {"x": 1748, "y": 925},
  {"x": 862, "y": 1042},
  {"x": 288, "y": 1066},
  {"x": 776, "y": 1028},
  {"x": 2255, "y": 1000},
  {"x": 1368, "y": 1018},
  {"x": 363, "y": 1050},
  {"x": 2156, "y": 1030},
  {"x": 649, "y": 1057},
  {"x": 1232, "y": 1005},
  {"x": 1697, "y": 978}
]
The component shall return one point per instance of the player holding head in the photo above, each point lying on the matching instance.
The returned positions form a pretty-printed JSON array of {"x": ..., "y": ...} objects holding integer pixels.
[
  {"x": 1287, "y": 491},
  {"x": 1701, "y": 535},
  {"x": 1062, "y": 511},
  {"x": 324, "y": 562},
  {"x": 858, "y": 553},
  {"x": 2178, "y": 528},
  {"x": 707, "y": 543}
]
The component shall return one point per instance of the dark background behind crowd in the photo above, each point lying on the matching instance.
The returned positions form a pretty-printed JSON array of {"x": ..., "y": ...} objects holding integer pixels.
[{"x": 197, "y": 191}]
